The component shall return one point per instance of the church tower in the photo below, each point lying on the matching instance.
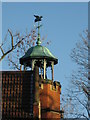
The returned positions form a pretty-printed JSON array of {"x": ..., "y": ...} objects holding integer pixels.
[{"x": 45, "y": 92}]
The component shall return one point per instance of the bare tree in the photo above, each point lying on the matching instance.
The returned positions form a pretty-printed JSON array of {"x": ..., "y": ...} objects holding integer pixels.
[
  {"x": 79, "y": 92},
  {"x": 15, "y": 45}
]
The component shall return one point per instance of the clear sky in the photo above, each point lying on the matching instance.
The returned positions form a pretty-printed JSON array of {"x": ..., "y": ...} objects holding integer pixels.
[{"x": 62, "y": 23}]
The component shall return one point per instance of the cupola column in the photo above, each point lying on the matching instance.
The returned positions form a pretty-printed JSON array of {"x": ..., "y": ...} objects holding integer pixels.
[
  {"x": 52, "y": 69},
  {"x": 33, "y": 62},
  {"x": 24, "y": 66},
  {"x": 44, "y": 68}
]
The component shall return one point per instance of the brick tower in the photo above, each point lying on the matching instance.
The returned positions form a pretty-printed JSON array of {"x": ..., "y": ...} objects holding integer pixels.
[{"x": 45, "y": 93}]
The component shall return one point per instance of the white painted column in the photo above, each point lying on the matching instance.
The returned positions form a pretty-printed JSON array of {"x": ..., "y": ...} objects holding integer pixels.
[
  {"x": 52, "y": 67},
  {"x": 44, "y": 68},
  {"x": 33, "y": 62}
]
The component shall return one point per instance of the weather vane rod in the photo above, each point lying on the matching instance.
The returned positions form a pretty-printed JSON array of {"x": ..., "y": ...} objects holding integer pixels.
[{"x": 38, "y": 19}]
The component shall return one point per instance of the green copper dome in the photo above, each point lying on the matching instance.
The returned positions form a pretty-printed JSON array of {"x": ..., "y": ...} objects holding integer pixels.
[{"x": 38, "y": 52}]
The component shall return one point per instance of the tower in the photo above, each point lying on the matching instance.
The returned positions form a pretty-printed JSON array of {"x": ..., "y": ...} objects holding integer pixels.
[
  {"x": 46, "y": 92},
  {"x": 30, "y": 93}
]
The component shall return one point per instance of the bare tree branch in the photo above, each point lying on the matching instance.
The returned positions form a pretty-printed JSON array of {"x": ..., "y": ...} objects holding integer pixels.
[
  {"x": 80, "y": 81},
  {"x": 14, "y": 64},
  {"x": 12, "y": 44}
]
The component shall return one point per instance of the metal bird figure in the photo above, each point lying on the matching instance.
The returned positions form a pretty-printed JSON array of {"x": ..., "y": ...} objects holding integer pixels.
[{"x": 37, "y": 18}]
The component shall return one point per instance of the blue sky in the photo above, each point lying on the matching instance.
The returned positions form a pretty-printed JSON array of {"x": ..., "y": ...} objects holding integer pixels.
[{"x": 62, "y": 23}]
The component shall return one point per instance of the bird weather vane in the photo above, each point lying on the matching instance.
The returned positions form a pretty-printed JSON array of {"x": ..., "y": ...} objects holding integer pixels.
[{"x": 38, "y": 19}]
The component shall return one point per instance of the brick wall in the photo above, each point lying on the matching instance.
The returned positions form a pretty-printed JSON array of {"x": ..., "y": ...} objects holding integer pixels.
[
  {"x": 17, "y": 96},
  {"x": 50, "y": 101}
]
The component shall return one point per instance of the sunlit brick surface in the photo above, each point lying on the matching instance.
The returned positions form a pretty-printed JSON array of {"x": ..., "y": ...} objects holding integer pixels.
[{"x": 50, "y": 101}]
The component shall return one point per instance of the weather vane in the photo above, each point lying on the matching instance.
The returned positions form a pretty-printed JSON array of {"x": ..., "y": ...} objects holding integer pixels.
[{"x": 38, "y": 19}]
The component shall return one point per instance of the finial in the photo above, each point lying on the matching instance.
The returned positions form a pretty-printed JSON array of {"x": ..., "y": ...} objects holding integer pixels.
[{"x": 37, "y": 19}]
